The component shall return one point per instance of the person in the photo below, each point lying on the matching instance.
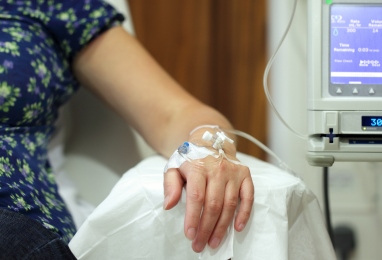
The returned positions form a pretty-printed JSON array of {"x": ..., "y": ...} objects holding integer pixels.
[{"x": 48, "y": 49}]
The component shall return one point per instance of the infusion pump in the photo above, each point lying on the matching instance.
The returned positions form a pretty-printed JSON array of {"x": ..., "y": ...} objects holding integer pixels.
[{"x": 344, "y": 81}]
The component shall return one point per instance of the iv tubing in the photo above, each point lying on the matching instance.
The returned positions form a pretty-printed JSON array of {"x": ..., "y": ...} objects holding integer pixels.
[
  {"x": 281, "y": 164},
  {"x": 268, "y": 67}
]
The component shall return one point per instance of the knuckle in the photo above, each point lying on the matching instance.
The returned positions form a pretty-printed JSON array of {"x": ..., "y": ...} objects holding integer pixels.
[
  {"x": 223, "y": 166},
  {"x": 214, "y": 206},
  {"x": 231, "y": 203},
  {"x": 196, "y": 195},
  {"x": 250, "y": 198},
  {"x": 245, "y": 214},
  {"x": 205, "y": 231},
  {"x": 245, "y": 173}
]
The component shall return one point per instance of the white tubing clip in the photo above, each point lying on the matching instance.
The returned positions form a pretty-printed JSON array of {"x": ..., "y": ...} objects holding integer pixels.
[{"x": 217, "y": 139}]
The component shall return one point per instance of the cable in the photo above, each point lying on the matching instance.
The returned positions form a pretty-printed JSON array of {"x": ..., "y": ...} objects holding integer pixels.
[
  {"x": 281, "y": 164},
  {"x": 266, "y": 90},
  {"x": 327, "y": 204},
  {"x": 266, "y": 73}
]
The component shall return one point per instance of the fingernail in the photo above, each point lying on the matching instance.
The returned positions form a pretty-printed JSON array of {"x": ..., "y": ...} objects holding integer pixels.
[
  {"x": 191, "y": 233},
  {"x": 241, "y": 226},
  {"x": 215, "y": 242},
  {"x": 165, "y": 202}
]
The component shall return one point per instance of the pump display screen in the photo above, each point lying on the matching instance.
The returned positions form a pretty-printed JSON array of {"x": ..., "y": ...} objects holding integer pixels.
[
  {"x": 372, "y": 123},
  {"x": 356, "y": 45}
]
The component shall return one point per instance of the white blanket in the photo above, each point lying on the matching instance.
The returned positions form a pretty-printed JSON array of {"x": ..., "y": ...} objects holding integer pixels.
[{"x": 286, "y": 221}]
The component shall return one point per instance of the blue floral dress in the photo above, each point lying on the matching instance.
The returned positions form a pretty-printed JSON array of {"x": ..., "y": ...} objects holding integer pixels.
[{"x": 38, "y": 41}]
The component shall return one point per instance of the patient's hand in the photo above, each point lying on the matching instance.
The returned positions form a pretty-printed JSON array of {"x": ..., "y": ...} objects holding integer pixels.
[{"x": 213, "y": 191}]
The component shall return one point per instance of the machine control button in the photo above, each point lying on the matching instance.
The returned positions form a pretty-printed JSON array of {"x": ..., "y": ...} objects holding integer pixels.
[
  {"x": 371, "y": 91},
  {"x": 339, "y": 91},
  {"x": 355, "y": 91}
]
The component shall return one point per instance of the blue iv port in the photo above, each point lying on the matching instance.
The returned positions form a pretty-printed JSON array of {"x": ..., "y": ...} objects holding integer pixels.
[{"x": 184, "y": 148}]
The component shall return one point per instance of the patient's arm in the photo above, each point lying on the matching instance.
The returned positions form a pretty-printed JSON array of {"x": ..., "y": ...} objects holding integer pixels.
[
  {"x": 122, "y": 73},
  {"x": 126, "y": 77}
]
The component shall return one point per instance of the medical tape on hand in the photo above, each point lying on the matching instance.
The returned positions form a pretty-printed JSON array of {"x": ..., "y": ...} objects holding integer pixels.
[{"x": 187, "y": 152}]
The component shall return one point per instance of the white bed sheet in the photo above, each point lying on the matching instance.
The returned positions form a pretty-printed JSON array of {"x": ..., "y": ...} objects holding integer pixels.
[{"x": 286, "y": 221}]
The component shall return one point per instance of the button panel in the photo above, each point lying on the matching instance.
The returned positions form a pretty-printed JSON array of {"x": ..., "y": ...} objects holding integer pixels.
[{"x": 354, "y": 90}]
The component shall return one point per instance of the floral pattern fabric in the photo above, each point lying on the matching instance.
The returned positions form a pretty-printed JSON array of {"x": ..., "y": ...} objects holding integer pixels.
[{"x": 38, "y": 41}]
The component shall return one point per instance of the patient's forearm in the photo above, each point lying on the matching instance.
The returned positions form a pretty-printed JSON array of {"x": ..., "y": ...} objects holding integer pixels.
[{"x": 122, "y": 73}]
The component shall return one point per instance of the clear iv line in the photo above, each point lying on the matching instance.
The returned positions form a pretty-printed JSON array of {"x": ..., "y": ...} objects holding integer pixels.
[
  {"x": 266, "y": 72},
  {"x": 281, "y": 164},
  {"x": 220, "y": 138}
]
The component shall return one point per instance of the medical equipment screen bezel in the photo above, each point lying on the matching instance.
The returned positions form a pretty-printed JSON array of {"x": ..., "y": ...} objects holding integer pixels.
[{"x": 344, "y": 90}]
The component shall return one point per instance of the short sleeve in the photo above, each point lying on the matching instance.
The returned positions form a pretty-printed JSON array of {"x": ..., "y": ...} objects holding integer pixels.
[{"x": 75, "y": 23}]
